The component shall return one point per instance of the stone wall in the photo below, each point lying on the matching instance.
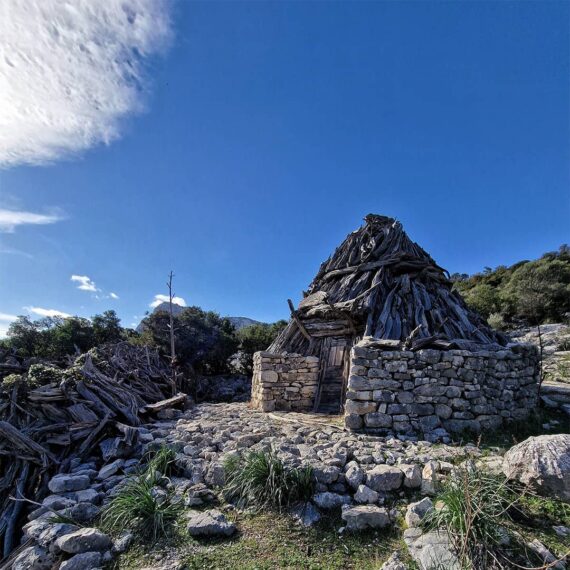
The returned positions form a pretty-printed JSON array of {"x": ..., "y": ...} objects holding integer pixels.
[
  {"x": 424, "y": 391},
  {"x": 284, "y": 381}
]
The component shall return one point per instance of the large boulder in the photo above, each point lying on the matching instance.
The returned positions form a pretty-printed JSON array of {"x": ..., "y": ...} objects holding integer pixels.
[
  {"x": 84, "y": 540},
  {"x": 543, "y": 463},
  {"x": 384, "y": 478}
]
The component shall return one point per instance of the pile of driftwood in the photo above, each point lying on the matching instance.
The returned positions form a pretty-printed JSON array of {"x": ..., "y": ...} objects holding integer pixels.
[
  {"x": 380, "y": 283},
  {"x": 49, "y": 416}
]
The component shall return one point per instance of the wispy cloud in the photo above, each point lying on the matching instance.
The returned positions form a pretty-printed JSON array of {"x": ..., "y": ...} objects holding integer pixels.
[
  {"x": 70, "y": 72},
  {"x": 85, "y": 283},
  {"x": 46, "y": 312},
  {"x": 158, "y": 299},
  {"x": 11, "y": 219},
  {"x": 13, "y": 251},
  {"x": 113, "y": 295}
]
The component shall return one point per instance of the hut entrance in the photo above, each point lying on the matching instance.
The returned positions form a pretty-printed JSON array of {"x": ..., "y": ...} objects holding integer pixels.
[{"x": 333, "y": 374}]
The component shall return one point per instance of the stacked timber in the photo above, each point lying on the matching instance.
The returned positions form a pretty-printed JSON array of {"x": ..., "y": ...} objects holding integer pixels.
[
  {"x": 49, "y": 416},
  {"x": 380, "y": 284}
]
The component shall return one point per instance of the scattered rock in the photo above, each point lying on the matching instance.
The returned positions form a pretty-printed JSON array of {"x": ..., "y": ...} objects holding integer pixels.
[
  {"x": 329, "y": 500},
  {"x": 354, "y": 474},
  {"x": 433, "y": 550},
  {"x": 122, "y": 543},
  {"x": 412, "y": 476},
  {"x": 545, "y": 555},
  {"x": 562, "y": 531},
  {"x": 394, "y": 563},
  {"x": 543, "y": 463},
  {"x": 384, "y": 478},
  {"x": 84, "y": 540},
  {"x": 365, "y": 516},
  {"x": 306, "y": 513},
  {"x": 210, "y": 523},
  {"x": 365, "y": 494},
  {"x": 429, "y": 478},
  {"x": 417, "y": 511},
  {"x": 34, "y": 558},
  {"x": 110, "y": 469},
  {"x": 68, "y": 483},
  {"x": 83, "y": 561}
]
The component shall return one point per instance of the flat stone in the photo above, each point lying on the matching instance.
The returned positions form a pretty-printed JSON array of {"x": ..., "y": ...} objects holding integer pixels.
[
  {"x": 354, "y": 474},
  {"x": 210, "y": 523},
  {"x": 84, "y": 540},
  {"x": 434, "y": 550},
  {"x": 417, "y": 511},
  {"x": 328, "y": 500},
  {"x": 365, "y": 516},
  {"x": 69, "y": 483},
  {"x": 384, "y": 478},
  {"x": 365, "y": 494},
  {"x": 306, "y": 514},
  {"x": 34, "y": 558},
  {"x": 412, "y": 476},
  {"x": 84, "y": 561},
  {"x": 110, "y": 469}
]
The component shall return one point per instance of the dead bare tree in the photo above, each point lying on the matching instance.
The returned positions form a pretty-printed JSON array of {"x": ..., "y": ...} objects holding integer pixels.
[{"x": 173, "y": 362}]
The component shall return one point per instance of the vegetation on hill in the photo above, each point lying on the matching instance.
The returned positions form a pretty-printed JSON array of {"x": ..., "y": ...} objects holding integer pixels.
[{"x": 531, "y": 292}]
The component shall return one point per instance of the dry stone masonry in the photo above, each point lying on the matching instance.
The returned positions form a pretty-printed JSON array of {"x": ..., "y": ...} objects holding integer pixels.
[
  {"x": 434, "y": 390},
  {"x": 284, "y": 382}
]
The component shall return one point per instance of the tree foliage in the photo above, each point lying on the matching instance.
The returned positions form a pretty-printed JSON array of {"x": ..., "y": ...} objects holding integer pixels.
[
  {"x": 533, "y": 292},
  {"x": 254, "y": 338},
  {"x": 204, "y": 340},
  {"x": 57, "y": 337}
]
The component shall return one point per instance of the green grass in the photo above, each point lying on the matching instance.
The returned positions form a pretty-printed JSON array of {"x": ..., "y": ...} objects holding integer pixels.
[
  {"x": 259, "y": 479},
  {"x": 138, "y": 508},
  {"x": 271, "y": 540}
]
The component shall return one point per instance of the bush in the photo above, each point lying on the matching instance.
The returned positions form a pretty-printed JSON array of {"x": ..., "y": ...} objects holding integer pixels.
[
  {"x": 497, "y": 321},
  {"x": 473, "y": 506},
  {"x": 143, "y": 507},
  {"x": 260, "y": 479},
  {"x": 255, "y": 338}
]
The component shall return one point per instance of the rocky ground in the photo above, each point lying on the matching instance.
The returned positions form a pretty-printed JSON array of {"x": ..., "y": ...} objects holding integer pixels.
[{"x": 368, "y": 489}]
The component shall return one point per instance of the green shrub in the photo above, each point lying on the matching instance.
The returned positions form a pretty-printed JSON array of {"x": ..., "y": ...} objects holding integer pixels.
[
  {"x": 161, "y": 461},
  {"x": 10, "y": 380},
  {"x": 497, "y": 321},
  {"x": 473, "y": 506},
  {"x": 260, "y": 479},
  {"x": 138, "y": 508}
]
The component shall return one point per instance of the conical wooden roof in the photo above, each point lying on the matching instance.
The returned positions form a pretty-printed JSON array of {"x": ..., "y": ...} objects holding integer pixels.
[{"x": 380, "y": 283}]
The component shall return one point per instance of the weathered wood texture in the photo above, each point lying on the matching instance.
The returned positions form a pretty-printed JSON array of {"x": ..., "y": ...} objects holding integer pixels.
[
  {"x": 100, "y": 397},
  {"x": 379, "y": 283}
]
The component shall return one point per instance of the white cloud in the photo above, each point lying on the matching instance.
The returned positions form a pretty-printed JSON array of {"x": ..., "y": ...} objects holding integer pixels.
[
  {"x": 85, "y": 283},
  {"x": 158, "y": 299},
  {"x": 46, "y": 312},
  {"x": 113, "y": 295},
  {"x": 70, "y": 71},
  {"x": 11, "y": 219},
  {"x": 6, "y": 318}
]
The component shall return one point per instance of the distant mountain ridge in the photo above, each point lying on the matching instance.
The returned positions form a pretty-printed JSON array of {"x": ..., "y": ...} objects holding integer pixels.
[{"x": 237, "y": 322}]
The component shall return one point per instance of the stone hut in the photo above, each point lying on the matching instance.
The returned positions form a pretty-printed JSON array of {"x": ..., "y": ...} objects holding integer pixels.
[{"x": 381, "y": 336}]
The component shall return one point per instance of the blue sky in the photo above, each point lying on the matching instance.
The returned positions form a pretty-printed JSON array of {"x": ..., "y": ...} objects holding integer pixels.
[{"x": 269, "y": 130}]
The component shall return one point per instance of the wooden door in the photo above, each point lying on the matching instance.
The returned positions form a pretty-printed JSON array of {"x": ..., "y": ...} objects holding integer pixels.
[{"x": 333, "y": 374}]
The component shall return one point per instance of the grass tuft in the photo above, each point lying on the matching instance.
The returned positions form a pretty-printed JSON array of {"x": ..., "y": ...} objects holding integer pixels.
[
  {"x": 260, "y": 479},
  {"x": 139, "y": 507}
]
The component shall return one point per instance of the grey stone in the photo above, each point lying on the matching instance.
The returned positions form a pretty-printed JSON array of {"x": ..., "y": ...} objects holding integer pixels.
[
  {"x": 384, "y": 478},
  {"x": 306, "y": 514},
  {"x": 429, "y": 478},
  {"x": 365, "y": 516},
  {"x": 34, "y": 558},
  {"x": 412, "y": 476},
  {"x": 354, "y": 474},
  {"x": 365, "y": 494},
  {"x": 394, "y": 563},
  {"x": 545, "y": 555},
  {"x": 84, "y": 540},
  {"x": 84, "y": 561},
  {"x": 68, "y": 483},
  {"x": 417, "y": 511},
  {"x": 122, "y": 543},
  {"x": 543, "y": 463},
  {"x": 110, "y": 469},
  {"x": 434, "y": 550},
  {"x": 327, "y": 500},
  {"x": 209, "y": 523},
  {"x": 378, "y": 420}
]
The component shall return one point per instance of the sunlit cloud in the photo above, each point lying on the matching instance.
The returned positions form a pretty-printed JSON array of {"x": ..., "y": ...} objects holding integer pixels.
[
  {"x": 159, "y": 299},
  {"x": 11, "y": 219},
  {"x": 113, "y": 295},
  {"x": 72, "y": 72},
  {"x": 46, "y": 312},
  {"x": 85, "y": 283}
]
